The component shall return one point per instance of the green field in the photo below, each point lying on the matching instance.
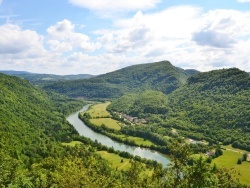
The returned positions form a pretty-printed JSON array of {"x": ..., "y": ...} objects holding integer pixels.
[
  {"x": 115, "y": 160},
  {"x": 121, "y": 163},
  {"x": 99, "y": 110},
  {"x": 109, "y": 122},
  {"x": 229, "y": 160},
  {"x": 137, "y": 140}
]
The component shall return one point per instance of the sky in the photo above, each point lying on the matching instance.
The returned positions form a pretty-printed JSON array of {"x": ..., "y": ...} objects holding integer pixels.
[{"x": 100, "y": 36}]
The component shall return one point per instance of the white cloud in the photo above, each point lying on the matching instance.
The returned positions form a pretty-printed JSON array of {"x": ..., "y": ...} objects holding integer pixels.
[
  {"x": 14, "y": 40},
  {"x": 63, "y": 38},
  {"x": 24, "y": 50},
  {"x": 109, "y": 7},
  {"x": 99, "y": 64},
  {"x": 1, "y": 2},
  {"x": 147, "y": 32},
  {"x": 213, "y": 38},
  {"x": 185, "y": 35},
  {"x": 243, "y": 1}
]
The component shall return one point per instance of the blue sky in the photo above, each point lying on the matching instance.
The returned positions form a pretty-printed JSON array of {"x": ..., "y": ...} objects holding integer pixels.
[{"x": 99, "y": 36}]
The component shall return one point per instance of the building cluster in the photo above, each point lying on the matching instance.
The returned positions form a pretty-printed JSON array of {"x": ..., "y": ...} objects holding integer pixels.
[{"x": 129, "y": 119}]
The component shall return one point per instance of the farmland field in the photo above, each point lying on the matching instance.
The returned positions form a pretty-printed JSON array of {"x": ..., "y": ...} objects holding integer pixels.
[
  {"x": 229, "y": 160},
  {"x": 117, "y": 162},
  {"x": 99, "y": 110},
  {"x": 109, "y": 122},
  {"x": 138, "y": 141}
]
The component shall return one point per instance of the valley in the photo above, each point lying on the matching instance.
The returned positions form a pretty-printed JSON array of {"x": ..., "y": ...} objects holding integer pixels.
[
  {"x": 228, "y": 160},
  {"x": 142, "y": 118}
]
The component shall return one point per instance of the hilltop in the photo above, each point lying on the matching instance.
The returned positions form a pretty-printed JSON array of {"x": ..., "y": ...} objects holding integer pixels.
[{"x": 160, "y": 76}]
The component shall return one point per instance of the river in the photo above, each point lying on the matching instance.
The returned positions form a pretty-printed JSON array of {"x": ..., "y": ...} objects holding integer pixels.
[{"x": 104, "y": 140}]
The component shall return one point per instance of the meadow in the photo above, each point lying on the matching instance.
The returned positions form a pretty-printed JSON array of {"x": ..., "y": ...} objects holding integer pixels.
[
  {"x": 99, "y": 110},
  {"x": 229, "y": 160},
  {"x": 137, "y": 140},
  {"x": 108, "y": 122},
  {"x": 115, "y": 160}
]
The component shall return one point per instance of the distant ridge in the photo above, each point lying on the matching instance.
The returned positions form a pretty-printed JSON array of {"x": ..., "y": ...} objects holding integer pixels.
[
  {"x": 160, "y": 76},
  {"x": 13, "y": 72},
  {"x": 44, "y": 79}
]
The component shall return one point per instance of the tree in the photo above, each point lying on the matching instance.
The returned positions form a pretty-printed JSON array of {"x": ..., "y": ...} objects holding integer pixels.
[
  {"x": 239, "y": 161},
  {"x": 244, "y": 157}
]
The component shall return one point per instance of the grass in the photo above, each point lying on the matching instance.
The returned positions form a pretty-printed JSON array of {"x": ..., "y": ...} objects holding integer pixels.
[
  {"x": 73, "y": 143},
  {"x": 229, "y": 147},
  {"x": 229, "y": 160},
  {"x": 137, "y": 140},
  {"x": 99, "y": 110},
  {"x": 115, "y": 160},
  {"x": 109, "y": 122}
]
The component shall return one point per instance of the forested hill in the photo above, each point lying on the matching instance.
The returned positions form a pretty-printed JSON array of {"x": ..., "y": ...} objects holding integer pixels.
[
  {"x": 30, "y": 117},
  {"x": 214, "y": 106},
  {"x": 31, "y": 125},
  {"x": 44, "y": 79},
  {"x": 160, "y": 76},
  {"x": 141, "y": 104}
]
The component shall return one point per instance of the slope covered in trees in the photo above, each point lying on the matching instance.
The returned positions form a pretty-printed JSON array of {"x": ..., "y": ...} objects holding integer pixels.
[
  {"x": 141, "y": 104},
  {"x": 29, "y": 119},
  {"x": 213, "y": 106},
  {"x": 159, "y": 76},
  {"x": 216, "y": 105},
  {"x": 32, "y": 125}
]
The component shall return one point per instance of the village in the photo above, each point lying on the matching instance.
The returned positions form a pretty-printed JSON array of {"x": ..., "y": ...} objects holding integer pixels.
[{"x": 130, "y": 120}]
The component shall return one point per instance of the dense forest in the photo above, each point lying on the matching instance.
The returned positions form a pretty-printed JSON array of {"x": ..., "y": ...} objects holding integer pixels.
[
  {"x": 159, "y": 76},
  {"x": 141, "y": 104},
  {"x": 212, "y": 106},
  {"x": 33, "y": 126}
]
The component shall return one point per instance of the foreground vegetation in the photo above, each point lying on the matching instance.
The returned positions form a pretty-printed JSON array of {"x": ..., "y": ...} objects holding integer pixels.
[{"x": 33, "y": 126}]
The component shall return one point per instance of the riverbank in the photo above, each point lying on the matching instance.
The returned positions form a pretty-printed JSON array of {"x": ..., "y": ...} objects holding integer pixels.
[{"x": 106, "y": 141}]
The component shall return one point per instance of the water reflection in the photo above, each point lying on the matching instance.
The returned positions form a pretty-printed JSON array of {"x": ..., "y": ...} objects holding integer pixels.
[{"x": 89, "y": 133}]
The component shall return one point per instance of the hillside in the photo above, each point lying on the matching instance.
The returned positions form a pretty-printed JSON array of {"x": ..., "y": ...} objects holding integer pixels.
[
  {"x": 44, "y": 79},
  {"x": 212, "y": 106},
  {"x": 141, "y": 104},
  {"x": 32, "y": 127},
  {"x": 159, "y": 76},
  {"x": 216, "y": 106},
  {"x": 30, "y": 118}
]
